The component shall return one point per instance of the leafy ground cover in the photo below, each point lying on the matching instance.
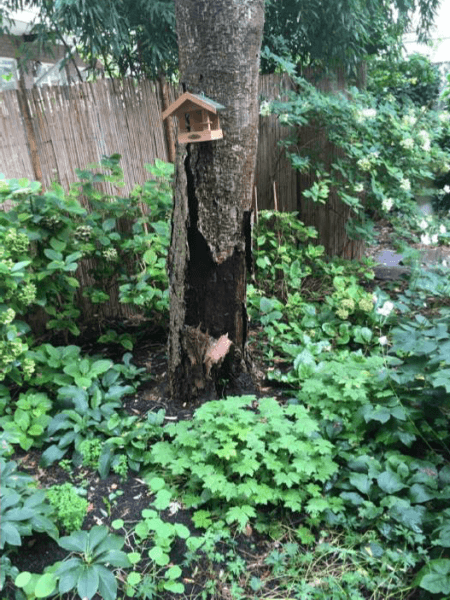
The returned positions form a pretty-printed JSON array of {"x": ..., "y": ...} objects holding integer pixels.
[{"x": 328, "y": 478}]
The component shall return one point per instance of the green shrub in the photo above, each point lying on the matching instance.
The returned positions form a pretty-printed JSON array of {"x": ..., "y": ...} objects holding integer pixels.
[
  {"x": 245, "y": 453},
  {"x": 70, "y": 507}
]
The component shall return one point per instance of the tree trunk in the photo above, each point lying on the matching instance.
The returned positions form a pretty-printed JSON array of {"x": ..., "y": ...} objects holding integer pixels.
[{"x": 219, "y": 50}]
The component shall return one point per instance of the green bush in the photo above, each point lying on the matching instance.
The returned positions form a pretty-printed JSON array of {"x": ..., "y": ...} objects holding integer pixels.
[
  {"x": 44, "y": 238},
  {"x": 70, "y": 507},
  {"x": 244, "y": 453}
]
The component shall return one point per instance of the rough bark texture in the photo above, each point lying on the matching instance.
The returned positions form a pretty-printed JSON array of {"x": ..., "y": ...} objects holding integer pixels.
[{"x": 219, "y": 45}]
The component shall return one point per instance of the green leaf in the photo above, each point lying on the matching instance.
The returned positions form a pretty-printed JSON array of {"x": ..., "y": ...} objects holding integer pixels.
[
  {"x": 419, "y": 493},
  {"x": 182, "y": 531},
  {"x": 444, "y": 536},
  {"x": 240, "y": 514},
  {"x": 88, "y": 582},
  {"x": 361, "y": 482},
  {"x": 108, "y": 224},
  {"x": 158, "y": 555},
  {"x": 51, "y": 455},
  {"x": 134, "y": 557},
  {"x": 435, "y": 576},
  {"x": 173, "y": 572},
  {"x": 442, "y": 378},
  {"x": 22, "y": 579},
  {"x": 68, "y": 580},
  {"x": 57, "y": 245},
  {"x": 174, "y": 586},
  {"x": 100, "y": 366},
  {"x": 202, "y": 519},
  {"x": 156, "y": 484},
  {"x": 107, "y": 583},
  {"x": 390, "y": 482},
  {"x": 9, "y": 534},
  {"x": 45, "y": 585},
  {"x": 162, "y": 500},
  {"x": 53, "y": 255},
  {"x": 116, "y": 558},
  {"x": 76, "y": 542},
  {"x": 20, "y": 265}
]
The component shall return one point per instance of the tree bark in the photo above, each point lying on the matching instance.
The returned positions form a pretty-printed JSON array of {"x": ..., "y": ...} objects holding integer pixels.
[{"x": 219, "y": 51}]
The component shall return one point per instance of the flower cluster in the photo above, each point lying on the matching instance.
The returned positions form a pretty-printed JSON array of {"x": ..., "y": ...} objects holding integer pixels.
[
  {"x": 365, "y": 113},
  {"x": 7, "y": 316},
  {"x": 83, "y": 232},
  {"x": 348, "y": 306},
  {"x": 51, "y": 222},
  {"x": 366, "y": 304},
  {"x": 407, "y": 143},
  {"x": 387, "y": 204},
  {"x": 16, "y": 242},
  {"x": 28, "y": 367},
  {"x": 364, "y": 164},
  {"x": 27, "y": 293},
  {"x": 386, "y": 309},
  {"x": 430, "y": 236},
  {"x": 110, "y": 254},
  {"x": 424, "y": 138},
  {"x": 264, "y": 109},
  {"x": 405, "y": 185}
]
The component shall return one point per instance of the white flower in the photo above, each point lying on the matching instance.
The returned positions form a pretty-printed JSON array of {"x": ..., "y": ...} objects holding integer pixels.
[
  {"x": 444, "y": 263},
  {"x": 434, "y": 238},
  {"x": 407, "y": 143},
  {"x": 425, "y": 239},
  {"x": 409, "y": 120},
  {"x": 264, "y": 109},
  {"x": 386, "y": 309},
  {"x": 405, "y": 184},
  {"x": 383, "y": 340},
  {"x": 358, "y": 188},
  {"x": 387, "y": 204},
  {"x": 444, "y": 117},
  {"x": 442, "y": 229},
  {"x": 369, "y": 113},
  {"x": 424, "y": 137},
  {"x": 364, "y": 164},
  {"x": 423, "y": 224},
  {"x": 447, "y": 189},
  {"x": 284, "y": 118}
]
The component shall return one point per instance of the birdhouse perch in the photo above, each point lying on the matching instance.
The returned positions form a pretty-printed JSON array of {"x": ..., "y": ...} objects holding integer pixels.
[{"x": 197, "y": 117}]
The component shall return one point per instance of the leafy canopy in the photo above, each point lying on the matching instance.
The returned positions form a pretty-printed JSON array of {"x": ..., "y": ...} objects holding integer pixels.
[{"x": 138, "y": 37}]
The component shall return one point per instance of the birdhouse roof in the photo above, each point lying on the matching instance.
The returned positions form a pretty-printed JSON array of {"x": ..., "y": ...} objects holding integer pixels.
[{"x": 199, "y": 100}]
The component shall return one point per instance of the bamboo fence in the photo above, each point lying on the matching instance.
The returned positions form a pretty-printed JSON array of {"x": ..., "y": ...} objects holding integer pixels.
[{"x": 47, "y": 133}]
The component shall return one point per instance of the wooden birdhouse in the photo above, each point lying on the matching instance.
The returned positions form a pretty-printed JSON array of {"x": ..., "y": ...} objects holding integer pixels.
[{"x": 198, "y": 119}]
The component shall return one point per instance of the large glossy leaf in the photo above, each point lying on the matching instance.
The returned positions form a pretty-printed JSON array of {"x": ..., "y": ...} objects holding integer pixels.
[
  {"x": 45, "y": 585},
  {"x": 390, "y": 482},
  {"x": 76, "y": 542},
  {"x": 361, "y": 481},
  {"x": 97, "y": 535},
  {"x": 435, "y": 576},
  {"x": 51, "y": 455},
  {"x": 88, "y": 581},
  {"x": 107, "y": 583},
  {"x": 9, "y": 534}
]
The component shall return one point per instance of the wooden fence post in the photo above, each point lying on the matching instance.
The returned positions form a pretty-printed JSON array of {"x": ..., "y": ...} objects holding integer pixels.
[
  {"x": 168, "y": 123},
  {"x": 28, "y": 124}
]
